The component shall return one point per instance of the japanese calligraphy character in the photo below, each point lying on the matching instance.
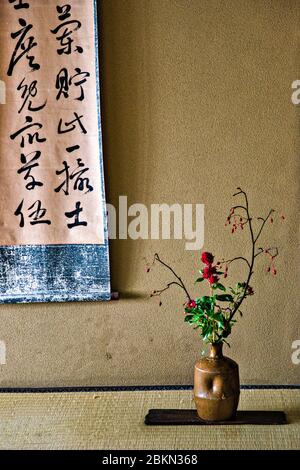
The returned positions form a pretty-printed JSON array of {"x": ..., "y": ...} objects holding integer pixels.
[
  {"x": 63, "y": 82},
  {"x": 28, "y": 165},
  {"x": 29, "y": 91},
  {"x": 20, "y": 4},
  {"x": 72, "y": 148},
  {"x": 37, "y": 215},
  {"x": 23, "y": 46},
  {"x": 75, "y": 213},
  {"x": 31, "y": 137},
  {"x": 65, "y": 30},
  {"x": 70, "y": 126},
  {"x": 80, "y": 183},
  {"x": 64, "y": 12}
]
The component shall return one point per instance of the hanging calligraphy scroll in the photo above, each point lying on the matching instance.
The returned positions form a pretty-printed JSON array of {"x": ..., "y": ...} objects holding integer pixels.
[{"x": 53, "y": 238}]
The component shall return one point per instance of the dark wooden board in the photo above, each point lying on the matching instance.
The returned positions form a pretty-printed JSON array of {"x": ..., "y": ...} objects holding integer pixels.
[{"x": 160, "y": 417}]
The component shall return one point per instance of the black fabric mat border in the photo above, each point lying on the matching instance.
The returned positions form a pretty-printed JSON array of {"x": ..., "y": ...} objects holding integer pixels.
[{"x": 132, "y": 388}]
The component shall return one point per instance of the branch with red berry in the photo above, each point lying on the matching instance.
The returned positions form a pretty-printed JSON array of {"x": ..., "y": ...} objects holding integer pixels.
[{"x": 214, "y": 314}]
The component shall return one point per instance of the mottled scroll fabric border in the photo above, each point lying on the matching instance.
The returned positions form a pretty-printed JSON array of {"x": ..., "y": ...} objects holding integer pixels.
[{"x": 55, "y": 273}]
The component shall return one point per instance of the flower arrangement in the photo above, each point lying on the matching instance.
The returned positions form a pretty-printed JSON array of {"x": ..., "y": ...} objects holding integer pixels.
[{"x": 214, "y": 314}]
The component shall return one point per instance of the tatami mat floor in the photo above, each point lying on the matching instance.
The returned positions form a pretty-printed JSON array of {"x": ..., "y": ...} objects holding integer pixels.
[{"x": 115, "y": 420}]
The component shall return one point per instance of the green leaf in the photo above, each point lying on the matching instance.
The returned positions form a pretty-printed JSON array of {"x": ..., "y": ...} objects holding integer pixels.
[
  {"x": 220, "y": 321},
  {"x": 195, "y": 318},
  {"x": 240, "y": 285},
  {"x": 188, "y": 318},
  {"x": 221, "y": 287},
  {"x": 200, "y": 279},
  {"x": 204, "y": 298},
  {"x": 206, "y": 332},
  {"x": 224, "y": 298}
]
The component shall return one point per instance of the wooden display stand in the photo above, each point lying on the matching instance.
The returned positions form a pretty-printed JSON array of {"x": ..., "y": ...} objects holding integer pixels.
[{"x": 172, "y": 417}]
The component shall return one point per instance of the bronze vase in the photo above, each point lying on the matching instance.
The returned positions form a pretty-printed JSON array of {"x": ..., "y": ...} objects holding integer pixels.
[{"x": 216, "y": 386}]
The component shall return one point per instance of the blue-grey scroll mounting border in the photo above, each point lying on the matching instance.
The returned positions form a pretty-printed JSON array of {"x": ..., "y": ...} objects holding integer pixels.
[{"x": 59, "y": 273}]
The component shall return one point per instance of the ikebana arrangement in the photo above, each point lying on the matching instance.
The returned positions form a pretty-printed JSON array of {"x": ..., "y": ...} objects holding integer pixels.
[{"x": 216, "y": 379}]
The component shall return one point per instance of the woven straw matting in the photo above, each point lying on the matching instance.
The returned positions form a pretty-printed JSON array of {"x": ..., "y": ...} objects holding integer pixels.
[{"x": 115, "y": 420}]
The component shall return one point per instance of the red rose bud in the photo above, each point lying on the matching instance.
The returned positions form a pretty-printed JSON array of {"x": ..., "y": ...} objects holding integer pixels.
[
  {"x": 207, "y": 258},
  {"x": 282, "y": 217},
  {"x": 208, "y": 271},
  {"x": 225, "y": 275},
  {"x": 213, "y": 279},
  {"x": 274, "y": 271},
  {"x": 191, "y": 304},
  {"x": 271, "y": 221},
  {"x": 147, "y": 270}
]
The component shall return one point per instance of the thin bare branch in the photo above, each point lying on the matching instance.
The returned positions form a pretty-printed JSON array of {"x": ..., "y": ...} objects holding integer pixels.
[
  {"x": 157, "y": 258},
  {"x": 263, "y": 224},
  {"x": 159, "y": 292},
  {"x": 229, "y": 261}
]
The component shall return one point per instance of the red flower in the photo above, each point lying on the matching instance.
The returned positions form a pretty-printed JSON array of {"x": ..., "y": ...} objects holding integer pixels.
[
  {"x": 191, "y": 304},
  {"x": 208, "y": 271},
  {"x": 213, "y": 279},
  {"x": 250, "y": 290},
  {"x": 207, "y": 258}
]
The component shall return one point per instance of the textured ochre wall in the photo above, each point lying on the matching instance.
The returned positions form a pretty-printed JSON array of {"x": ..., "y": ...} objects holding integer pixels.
[{"x": 196, "y": 101}]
